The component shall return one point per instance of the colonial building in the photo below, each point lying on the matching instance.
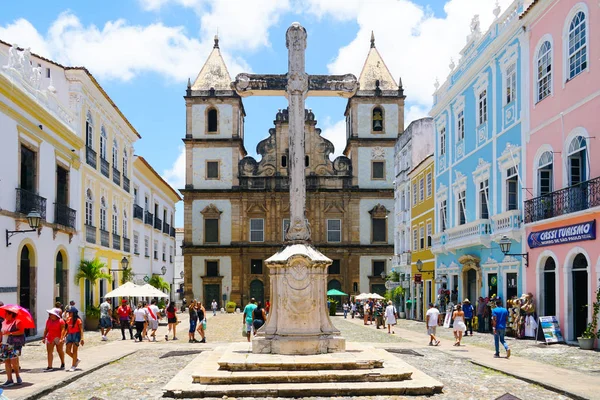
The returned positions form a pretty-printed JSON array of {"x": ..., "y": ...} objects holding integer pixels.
[
  {"x": 478, "y": 113},
  {"x": 237, "y": 208},
  {"x": 153, "y": 218},
  {"x": 562, "y": 206}
]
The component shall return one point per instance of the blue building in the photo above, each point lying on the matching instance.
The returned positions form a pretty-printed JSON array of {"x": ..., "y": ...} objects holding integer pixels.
[{"x": 478, "y": 114}]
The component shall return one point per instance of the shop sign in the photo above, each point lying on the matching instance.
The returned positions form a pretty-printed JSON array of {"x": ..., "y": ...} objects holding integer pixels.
[
  {"x": 565, "y": 234},
  {"x": 551, "y": 330},
  {"x": 418, "y": 278},
  {"x": 389, "y": 285}
]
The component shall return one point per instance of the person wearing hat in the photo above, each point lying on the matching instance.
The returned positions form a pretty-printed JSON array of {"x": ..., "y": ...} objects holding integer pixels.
[
  {"x": 74, "y": 336},
  {"x": 53, "y": 333},
  {"x": 124, "y": 312},
  {"x": 467, "y": 308}
]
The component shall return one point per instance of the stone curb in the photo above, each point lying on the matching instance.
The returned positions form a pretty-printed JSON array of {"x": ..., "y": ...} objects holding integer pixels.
[{"x": 44, "y": 391}]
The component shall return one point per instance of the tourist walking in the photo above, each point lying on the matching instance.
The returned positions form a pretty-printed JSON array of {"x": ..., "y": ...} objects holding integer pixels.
[
  {"x": 12, "y": 337},
  {"x": 352, "y": 309},
  {"x": 345, "y": 308},
  {"x": 52, "y": 337},
  {"x": 201, "y": 321},
  {"x": 467, "y": 308},
  {"x": 432, "y": 321},
  {"x": 366, "y": 308},
  {"x": 74, "y": 336},
  {"x": 390, "y": 316},
  {"x": 259, "y": 316},
  {"x": 213, "y": 307},
  {"x": 248, "y": 317},
  {"x": 480, "y": 315},
  {"x": 193, "y": 314},
  {"x": 499, "y": 319},
  {"x": 140, "y": 317},
  {"x": 153, "y": 316},
  {"x": 124, "y": 312},
  {"x": 459, "y": 324},
  {"x": 105, "y": 318},
  {"x": 379, "y": 315},
  {"x": 172, "y": 320}
]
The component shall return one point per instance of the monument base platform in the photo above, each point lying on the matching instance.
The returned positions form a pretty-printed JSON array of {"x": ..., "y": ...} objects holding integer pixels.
[
  {"x": 298, "y": 345},
  {"x": 234, "y": 371}
]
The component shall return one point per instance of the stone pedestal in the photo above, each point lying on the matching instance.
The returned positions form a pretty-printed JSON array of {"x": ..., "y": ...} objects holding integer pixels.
[{"x": 298, "y": 323}]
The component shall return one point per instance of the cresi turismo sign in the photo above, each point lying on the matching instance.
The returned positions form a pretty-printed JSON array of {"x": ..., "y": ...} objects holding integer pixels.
[{"x": 566, "y": 234}]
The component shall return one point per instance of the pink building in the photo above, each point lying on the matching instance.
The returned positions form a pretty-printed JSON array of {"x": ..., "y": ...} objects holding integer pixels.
[{"x": 562, "y": 159}]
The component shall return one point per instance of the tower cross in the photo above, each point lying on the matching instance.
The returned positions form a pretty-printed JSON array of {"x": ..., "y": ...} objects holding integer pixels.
[{"x": 296, "y": 85}]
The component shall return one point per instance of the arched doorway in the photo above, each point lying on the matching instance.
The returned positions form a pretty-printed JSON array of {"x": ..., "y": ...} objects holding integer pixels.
[
  {"x": 579, "y": 294},
  {"x": 257, "y": 290},
  {"x": 25, "y": 280},
  {"x": 334, "y": 284},
  {"x": 549, "y": 295},
  {"x": 61, "y": 276}
]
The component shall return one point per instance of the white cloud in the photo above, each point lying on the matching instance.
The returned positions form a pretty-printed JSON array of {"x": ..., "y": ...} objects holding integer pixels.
[
  {"x": 336, "y": 134},
  {"x": 175, "y": 176},
  {"x": 414, "y": 112}
]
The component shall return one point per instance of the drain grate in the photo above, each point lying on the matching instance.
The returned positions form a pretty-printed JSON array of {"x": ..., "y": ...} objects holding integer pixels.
[
  {"x": 507, "y": 396},
  {"x": 407, "y": 352},
  {"x": 180, "y": 353}
]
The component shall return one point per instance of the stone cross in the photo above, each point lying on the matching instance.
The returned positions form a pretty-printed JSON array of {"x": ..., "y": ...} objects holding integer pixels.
[{"x": 296, "y": 85}]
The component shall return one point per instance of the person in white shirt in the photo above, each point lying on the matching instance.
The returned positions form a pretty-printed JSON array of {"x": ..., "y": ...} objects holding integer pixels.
[
  {"x": 140, "y": 317},
  {"x": 433, "y": 315},
  {"x": 353, "y": 308},
  {"x": 345, "y": 307},
  {"x": 390, "y": 316},
  {"x": 153, "y": 316},
  {"x": 214, "y": 306}
]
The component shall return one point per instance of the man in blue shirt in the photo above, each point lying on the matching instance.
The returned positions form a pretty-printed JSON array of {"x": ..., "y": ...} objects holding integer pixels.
[
  {"x": 248, "y": 318},
  {"x": 468, "y": 310},
  {"x": 499, "y": 319}
]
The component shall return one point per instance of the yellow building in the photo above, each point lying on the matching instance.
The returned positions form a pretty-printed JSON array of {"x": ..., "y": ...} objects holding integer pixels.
[
  {"x": 422, "y": 219},
  {"x": 106, "y": 197}
]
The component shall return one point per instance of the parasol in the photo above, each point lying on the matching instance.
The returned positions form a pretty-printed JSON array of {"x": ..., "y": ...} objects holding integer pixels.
[
  {"x": 335, "y": 292},
  {"x": 24, "y": 318}
]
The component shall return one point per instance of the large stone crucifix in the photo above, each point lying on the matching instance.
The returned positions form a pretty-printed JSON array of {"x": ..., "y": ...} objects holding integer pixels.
[
  {"x": 296, "y": 85},
  {"x": 298, "y": 322}
]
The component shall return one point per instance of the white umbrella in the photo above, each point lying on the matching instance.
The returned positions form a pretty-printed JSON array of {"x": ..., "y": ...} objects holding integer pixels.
[
  {"x": 362, "y": 296},
  {"x": 125, "y": 290},
  {"x": 376, "y": 296},
  {"x": 149, "y": 291}
]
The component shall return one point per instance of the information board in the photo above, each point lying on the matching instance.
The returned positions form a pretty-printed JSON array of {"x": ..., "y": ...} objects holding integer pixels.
[{"x": 550, "y": 329}]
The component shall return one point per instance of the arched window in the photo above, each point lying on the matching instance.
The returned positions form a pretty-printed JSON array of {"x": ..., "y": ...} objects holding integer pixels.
[
  {"x": 125, "y": 224},
  {"x": 115, "y": 220},
  {"x": 89, "y": 131},
  {"x": 103, "y": 214},
  {"x": 549, "y": 286},
  {"x": 125, "y": 162},
  {"x": 544, "y": 71},
  {"x": 577, "y": 45},
  {"x": 89, "y": 208},
  {"x": 545, "y": 175},
  {"x": 212, "y": 120},
  {"x": 103, "y": 140},
  {"x": 377, "y": 119},
  {"x": 577, "y": 161},
  {"x": 115, "y": 154}
]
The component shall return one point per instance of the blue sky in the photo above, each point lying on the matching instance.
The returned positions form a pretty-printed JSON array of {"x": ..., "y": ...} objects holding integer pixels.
[{"x": 143, "y": 51}]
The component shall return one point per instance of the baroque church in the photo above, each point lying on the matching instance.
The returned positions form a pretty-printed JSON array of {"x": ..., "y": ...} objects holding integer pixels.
[{"x": 237, "y": 208}]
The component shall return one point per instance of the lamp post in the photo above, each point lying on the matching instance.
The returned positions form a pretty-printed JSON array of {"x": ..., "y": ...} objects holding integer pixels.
[
  {"x": 163, "y": 270},
  {"x": 124, "y": 265},
  {"x": 505, "y": 244},
  {"x": 33, "y": 219}
]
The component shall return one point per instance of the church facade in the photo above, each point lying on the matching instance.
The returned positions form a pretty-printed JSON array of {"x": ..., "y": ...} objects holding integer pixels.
[{"x": 237, "y": 208}]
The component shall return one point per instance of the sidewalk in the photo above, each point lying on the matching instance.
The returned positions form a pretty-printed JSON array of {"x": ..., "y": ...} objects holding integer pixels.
[{"x": 560, "y": 380}]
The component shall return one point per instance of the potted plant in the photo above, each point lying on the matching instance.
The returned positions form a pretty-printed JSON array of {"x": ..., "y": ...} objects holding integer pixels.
[
  {"x": 590, "y": 334},
  {"x": 92, "y": 318},
  {"x": 332, "y": 306},
  {"x": 92, "y": 271},
  {"x": 230, "y": 307}
]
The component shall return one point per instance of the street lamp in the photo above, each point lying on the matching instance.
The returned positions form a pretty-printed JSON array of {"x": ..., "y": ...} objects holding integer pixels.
[
  {"x": 124, "y": 263},
  {"x": 505, "y": 244},
  {"x": 33, "y": 219},
  {"x": 163, "y": 270},
  {"x": 181, "y": 274},
  {"x": 383, "y": 275},
  {"x": 420, "y": 267}
]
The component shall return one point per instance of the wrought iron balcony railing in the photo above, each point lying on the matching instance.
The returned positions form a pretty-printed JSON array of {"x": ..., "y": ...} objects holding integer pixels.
[
  {"x": 63, "y": 215},
  {"x": 116, "y": 176},
  {"x": 157, "y": 223},
  {"x": 149, "y": 218},
  {"x": 126, "y": 183},
  {"x": 116, "y": 241},
  {"x": 138, "y": 212},
  {"x": 126, "y": 245},
  {"x": 172, "y": 231},
  {"x": 90, "y": 234},
  {"x": 104, "y": 238},
  {"x": 90, "y": 157},
  {"x": 166, "y": 228},
  {"x": 28, "y": 201},
  {"x": 105, "y": 167},
  {"x": 564, "y": 201}
]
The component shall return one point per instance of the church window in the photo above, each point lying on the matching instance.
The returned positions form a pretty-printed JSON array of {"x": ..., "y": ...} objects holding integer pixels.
[
  {"x": 377, "y": 119},
  {"x": 212, "y": 120},
  {"x": 307, "y": 161},
  {"x": 379, "y": 226},
  {"x": 212, "y": 170},
  {"x": 211, "y": 230},
  {"x": 334, "y": 230},
  {"x": 286, "y": 225},
  {"x": 460, "y": 134},
  {"x": 577, "y": 45},
  {"x": 377, "y": 170},
  {"x": 212, "y": 268},
  {"x": 482, "y": 105},
  {"x": 256, "y": 267},
  {"x": 284, "y": 161},
  {"x": 544, "y": 71},
  {"x": 257, "y": 230},
  {"x": 378, "y": 268},
  {"x": 334, "y": 268}
]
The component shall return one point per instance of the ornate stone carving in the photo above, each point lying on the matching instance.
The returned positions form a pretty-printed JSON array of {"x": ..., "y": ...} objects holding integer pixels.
[
  {"x": 211, "y": 211},
  {"x": 297, "y": 83},
  {"x": 379, "y": 211},
  {"x": 378, "y": 153}
]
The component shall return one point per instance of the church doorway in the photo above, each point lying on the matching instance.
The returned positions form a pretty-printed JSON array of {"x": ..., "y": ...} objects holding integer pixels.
[
  {"x": 334, "y": 284},
  {"x": 257, "y": 290},
  {"x": 211, "y": 292},
  {"x": 579, "y": 294},
  {"x": 549, "y": 296}
]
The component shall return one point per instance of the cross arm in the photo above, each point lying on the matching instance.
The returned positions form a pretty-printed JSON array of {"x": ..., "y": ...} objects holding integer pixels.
[
  {"x": 330, "y": 85},
  {"x": 264, "y": 84}
]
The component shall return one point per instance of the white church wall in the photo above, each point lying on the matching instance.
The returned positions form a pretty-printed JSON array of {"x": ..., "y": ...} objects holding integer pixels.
[
  {"x": 225, "y": 127},
  {"x": 198, "y": 221},
  {"x": 224, "y": 156},
  {"x": 367, "y": 205},
  {"x": 366, "y": 270},
  {"x": 365, "y": 156}
]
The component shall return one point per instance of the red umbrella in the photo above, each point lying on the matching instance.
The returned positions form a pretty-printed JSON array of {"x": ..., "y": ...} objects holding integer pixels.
[{"x": 23, "y": 316}]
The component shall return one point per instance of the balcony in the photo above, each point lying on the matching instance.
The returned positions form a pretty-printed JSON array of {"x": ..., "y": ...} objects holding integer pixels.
[
  {"x": 90, "y": 234},
  {"x": 126, "y": 245},
  {"x": 166, "y": 228},
  {"x": 507, "y": 223},
  {"x": 157, "y": 223},
  {"x": 125, "y": 183},
  {"x": 28, "y": 201},
  {"x": 149, "y": 218},
  {"x": 105, "y": 167},
  {"x": 116, "y": 177},
  {"x": 90, "y": 157},
  {"x": 564, "y": 201},
  {"x": 64, "y": 215},
  {"x": 116, "y": 241},
  {"x": 138, "y": 212},
  {"x": 104, "y": 238},
  {"x": 402, "y": 260},
  {"x": 476, "y": 233},
  {"x": 172, "y": 232}
]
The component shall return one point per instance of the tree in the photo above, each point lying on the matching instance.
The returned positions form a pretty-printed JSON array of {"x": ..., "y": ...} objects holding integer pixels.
[
  {"x": 92, "y": 272},
  {"x": 158, "y": 282}
]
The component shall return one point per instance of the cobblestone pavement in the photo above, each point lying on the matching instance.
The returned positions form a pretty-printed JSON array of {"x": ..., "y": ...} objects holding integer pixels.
[{"x": 142, "y": 375}]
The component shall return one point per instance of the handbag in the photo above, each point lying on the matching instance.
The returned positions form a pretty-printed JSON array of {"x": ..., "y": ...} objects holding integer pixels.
[
  {"x": 17, "y": 341},
  {"x": 244, "y": 332},
  {"x": 204, "y": 324}
]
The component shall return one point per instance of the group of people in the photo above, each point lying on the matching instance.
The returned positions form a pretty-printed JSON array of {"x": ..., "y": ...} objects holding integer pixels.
[
  {"x": 144, "y": 318},
  {"x": 254, "y": 316},
  {"x": 383, "y": 314}
]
